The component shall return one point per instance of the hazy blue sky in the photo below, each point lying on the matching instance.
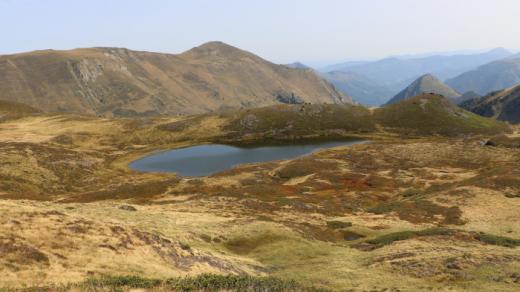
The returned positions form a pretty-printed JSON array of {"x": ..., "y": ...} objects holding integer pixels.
[{"x": 278, "y": 30}]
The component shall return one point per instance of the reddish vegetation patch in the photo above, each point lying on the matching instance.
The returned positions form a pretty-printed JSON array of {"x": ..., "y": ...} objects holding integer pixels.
[
  {"x": 361, "y": 184},
  {"x": 303, "y": 167},
  {"x": 137, "y": 191}
]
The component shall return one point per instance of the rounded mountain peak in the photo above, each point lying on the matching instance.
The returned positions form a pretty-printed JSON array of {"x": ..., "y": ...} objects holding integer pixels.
[{"x": 213, "y": 49}]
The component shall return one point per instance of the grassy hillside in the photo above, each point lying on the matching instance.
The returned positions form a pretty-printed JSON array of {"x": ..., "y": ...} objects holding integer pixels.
[
  {"x": 396, "y": 214},
  {"x": 12, "y": 107},
  {"x": 320, "y": 220},
  {"x": 423, "y": 115},
  {"x": 430, "y": 114},
  {"x": 298, "y": 121},
  {"x": 9, "y": 109}
]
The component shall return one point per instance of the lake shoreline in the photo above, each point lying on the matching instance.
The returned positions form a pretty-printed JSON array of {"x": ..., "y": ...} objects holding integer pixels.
[{"x": 208, "y": 159}]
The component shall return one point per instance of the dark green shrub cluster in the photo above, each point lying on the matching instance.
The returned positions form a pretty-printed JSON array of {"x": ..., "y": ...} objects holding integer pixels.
[
  {"x": 498, "y": 240},
  {"x": 410, "y": 192},
  {"x": 338, "y": 224},
  {"x": 204, "y": 282},
  {"x": 404, "y": 235}
]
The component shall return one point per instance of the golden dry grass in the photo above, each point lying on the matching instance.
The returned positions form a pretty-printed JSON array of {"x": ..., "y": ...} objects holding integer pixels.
[{"x": 259, "y": 219}]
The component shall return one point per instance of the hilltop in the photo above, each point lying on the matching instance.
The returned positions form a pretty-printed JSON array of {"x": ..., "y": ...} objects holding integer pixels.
[
  {"x": 424, "y": 84},
  {"x": 298, "y": 65},
  {"x": 121, "y": 82},
  {"x": 431, "y": 114}
]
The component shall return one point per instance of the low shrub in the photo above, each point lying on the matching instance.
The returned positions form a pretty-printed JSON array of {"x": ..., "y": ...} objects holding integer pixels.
[
  {"x": 498, "y": 240},
  {"x": 404, "y": 235},
  {"x": 338, "y": 224}
]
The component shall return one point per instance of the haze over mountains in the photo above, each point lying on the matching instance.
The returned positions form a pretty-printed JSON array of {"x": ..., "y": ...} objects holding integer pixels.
[
  {"x": 393, "y": 74},
  {"x": 363, "y": 89},
  {"x": 493, "y": 76},
  {"x": 395, "y": 70},
  {"x": 121, "y": 82}
]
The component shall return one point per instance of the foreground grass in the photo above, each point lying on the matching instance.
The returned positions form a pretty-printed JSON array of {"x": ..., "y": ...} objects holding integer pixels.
[{"x": 204, "y": 282}]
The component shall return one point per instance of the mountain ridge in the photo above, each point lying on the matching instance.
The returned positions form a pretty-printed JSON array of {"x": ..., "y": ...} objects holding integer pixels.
[
  {"x": 107, "y": 81},
  {"x": 395, "y": 70},
  {"x": 503, "y": 105},
  {"x": 493, "y": 76}
]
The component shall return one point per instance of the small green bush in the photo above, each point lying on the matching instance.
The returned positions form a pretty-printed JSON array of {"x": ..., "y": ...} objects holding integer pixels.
[
  {"x": 184, "y": 246},
  {"x": 122, "y": 281},
  {"x": 338, "y": 224},
  {"x": 410, "y": 192},
  {"x": 404, "y": 235}
]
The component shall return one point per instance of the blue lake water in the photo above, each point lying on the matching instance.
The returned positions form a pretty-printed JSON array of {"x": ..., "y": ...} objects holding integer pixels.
[{"x": 204, "y": 160}]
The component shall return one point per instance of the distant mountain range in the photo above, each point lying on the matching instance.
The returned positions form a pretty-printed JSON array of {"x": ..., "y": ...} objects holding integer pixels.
[
  {"x": 493, "y": 76},
  {"x": 395, "y": 70},
  {"x": 503, "y": 105},
  {"x": 121, "y": 82},
  {"x": 391, "y": 75},
  {"x": 215, "y": 76},
  {"x": 425, "y": 84}
]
